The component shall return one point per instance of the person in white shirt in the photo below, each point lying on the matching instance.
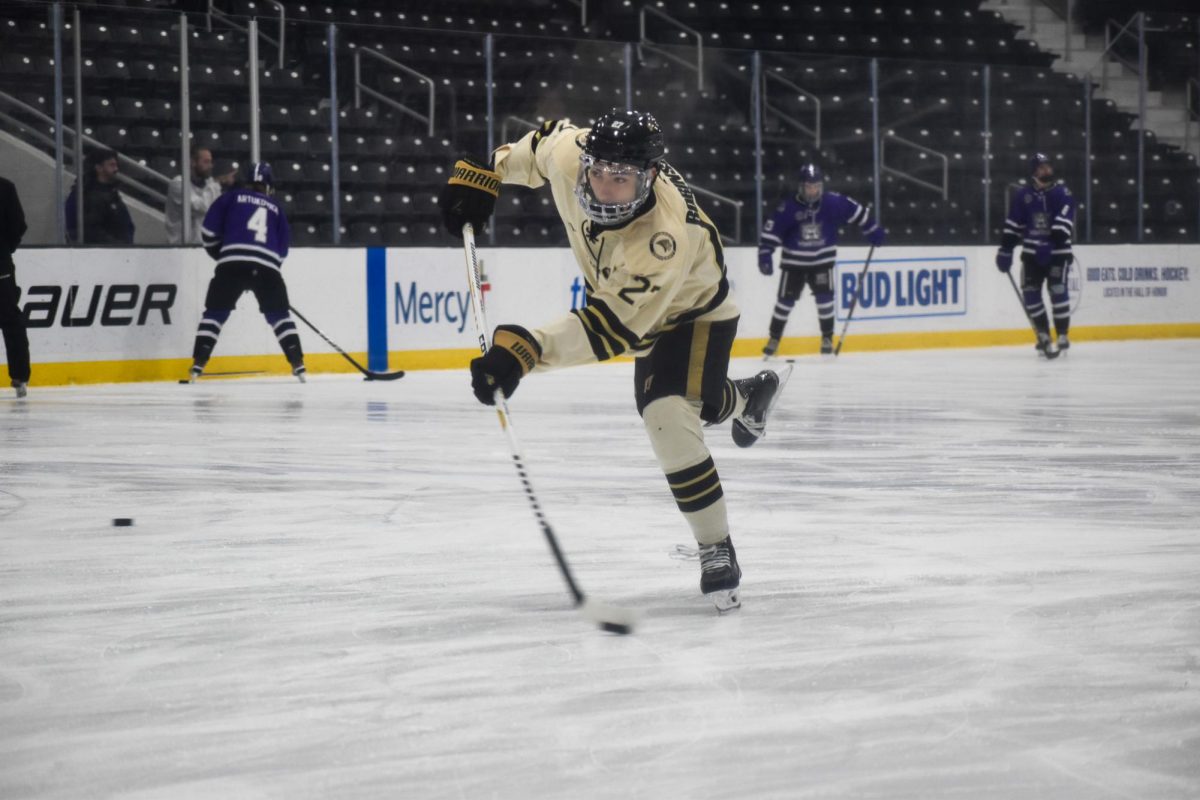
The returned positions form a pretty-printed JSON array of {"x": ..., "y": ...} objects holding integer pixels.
[{"x": 204, "y": 190}]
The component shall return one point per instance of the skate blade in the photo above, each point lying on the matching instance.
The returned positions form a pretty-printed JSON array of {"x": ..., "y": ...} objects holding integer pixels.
[
  {"x": 743, "y": 436},
  {"x": 726, "y": 600}
]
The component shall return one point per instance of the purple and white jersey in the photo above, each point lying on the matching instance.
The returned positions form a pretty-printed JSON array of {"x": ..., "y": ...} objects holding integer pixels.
[
  {"x": 807, "y": 233},
  {"x": 246, "y": 226},
  {"x": 1036, "y": 215}
]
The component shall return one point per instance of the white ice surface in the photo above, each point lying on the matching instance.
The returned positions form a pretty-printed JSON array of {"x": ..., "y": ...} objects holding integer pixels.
[{"x": 968, "y": 574}]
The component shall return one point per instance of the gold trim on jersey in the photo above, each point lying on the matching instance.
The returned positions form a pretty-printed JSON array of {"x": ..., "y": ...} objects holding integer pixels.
[
  {"x": 607, "y": 335},
  {"x": 699, "y": 351}
]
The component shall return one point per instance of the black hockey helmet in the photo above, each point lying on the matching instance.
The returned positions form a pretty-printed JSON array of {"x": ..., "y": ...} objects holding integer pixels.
[
  {"x": 811, "y": 176},
  {"x": 626, "y": 137},
  {"x": 619, "y": 154}
]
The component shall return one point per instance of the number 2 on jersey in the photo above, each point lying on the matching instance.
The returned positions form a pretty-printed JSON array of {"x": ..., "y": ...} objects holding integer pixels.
[{"x": 258, "y": 224}]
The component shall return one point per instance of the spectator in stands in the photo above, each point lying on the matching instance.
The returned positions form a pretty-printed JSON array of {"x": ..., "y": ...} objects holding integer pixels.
[
  {"x": 106, "y": 219},
  {"x": 12, "y": 322},
  {"x": 204, "y": 190}
]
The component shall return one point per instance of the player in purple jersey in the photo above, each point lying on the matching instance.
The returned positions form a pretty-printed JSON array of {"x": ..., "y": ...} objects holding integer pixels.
[
  {"x": 247, "y": 233},
  {"x": 806, "y": 227},
  {"x": 1041, "y": 219}
]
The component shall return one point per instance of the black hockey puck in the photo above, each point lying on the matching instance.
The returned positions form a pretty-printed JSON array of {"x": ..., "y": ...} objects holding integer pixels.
[
  {"x": 122, "y": 522},
  {"x": 616, "y": 627}
]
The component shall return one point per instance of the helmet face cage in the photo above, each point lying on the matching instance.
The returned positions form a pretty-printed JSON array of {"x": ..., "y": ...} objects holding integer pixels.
[
  {"x": 621, "y": 145},
  {"x": 812, "y": 184},
  {"x": 811, "y": 191},
  {"x": 1035, "y": 166},
  {"x": 610, "y": 213}
]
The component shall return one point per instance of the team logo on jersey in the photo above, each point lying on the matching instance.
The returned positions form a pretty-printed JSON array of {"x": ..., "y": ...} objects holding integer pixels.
[
  {"x": 811, "y": 232},
  {"x": 662, "y": 246},
  {"x": 1041, "y": 221}
]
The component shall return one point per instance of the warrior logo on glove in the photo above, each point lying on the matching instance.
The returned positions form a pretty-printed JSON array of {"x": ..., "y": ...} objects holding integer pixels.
[
  {"x": 468, "y": 173},
  {"x": 514, "y": 352},
  {"x": 469, "y": 196}
]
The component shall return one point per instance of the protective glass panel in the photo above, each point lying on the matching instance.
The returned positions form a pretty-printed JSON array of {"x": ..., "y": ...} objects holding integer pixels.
[
  {"x": 1171, "y": 209},
  {"x": 129, "y": 71},
  {"x": 295, "y": 117},
  {"x": 702, "y": 98},
  {"x": 410, "y": 100},
  {"x": 27, "y": 115},
  {"x": 547, "y": 79},
  {"x": 818, "y": 110}
]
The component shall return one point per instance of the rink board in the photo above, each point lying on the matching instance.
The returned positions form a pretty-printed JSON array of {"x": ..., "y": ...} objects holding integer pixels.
[{"x": 114, "y": 315}]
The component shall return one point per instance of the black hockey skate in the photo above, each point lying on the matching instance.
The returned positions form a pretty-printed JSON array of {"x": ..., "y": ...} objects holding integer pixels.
[
  {"x": 1045, "y": 347},
  {"x": 826, "y": 345},
  {"x": 1064, "y": 344},
  {"x": 771, "y": 348},
  {"x": 758, "y": 391},
  {"x": 720, "y": 575},
  {"x": 21, "y": 388},
  {"x": 300, "y": 371},
  {"x": 195, "y": 372}
]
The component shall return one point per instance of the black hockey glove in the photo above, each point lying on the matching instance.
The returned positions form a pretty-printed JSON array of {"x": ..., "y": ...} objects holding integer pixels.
[
  {"x": 765, "y": 265},
  {"x": 513, "y": 353},
  {"x": 1004, "y": 260},
  {"x": 469, "y": 196}
]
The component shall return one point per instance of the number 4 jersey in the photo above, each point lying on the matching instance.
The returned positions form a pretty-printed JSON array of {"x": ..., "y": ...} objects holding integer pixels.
[{"x": 244, "y": 226}]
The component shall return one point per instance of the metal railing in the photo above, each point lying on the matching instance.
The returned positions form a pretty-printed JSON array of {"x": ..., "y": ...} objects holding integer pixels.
[
  {"x": 227, "y": 19},
  {"x": 360, "y": 88},
  {"x": 1110, "y": 42},
  {"x": 644, "y": 42},
  {"x": 815, "y": 130},
  {"x": 798, "y": 115},
  {"x": 48, "y": 141},
  {"x": 943, "y": 189}
]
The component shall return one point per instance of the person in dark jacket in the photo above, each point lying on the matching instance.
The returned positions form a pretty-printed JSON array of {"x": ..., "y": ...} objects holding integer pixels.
[
  {"x": 12, "y": 322},
  {"x": 106, "y": 219}
]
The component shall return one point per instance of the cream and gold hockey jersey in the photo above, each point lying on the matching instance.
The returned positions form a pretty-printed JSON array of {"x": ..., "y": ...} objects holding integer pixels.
[{"x": 661, "y": 269}]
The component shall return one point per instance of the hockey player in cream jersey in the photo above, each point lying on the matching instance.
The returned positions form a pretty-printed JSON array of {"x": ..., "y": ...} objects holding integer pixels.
[{"x": 656, "y": 290}]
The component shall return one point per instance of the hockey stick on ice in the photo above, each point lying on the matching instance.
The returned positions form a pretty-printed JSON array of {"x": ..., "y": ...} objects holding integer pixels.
[
  {"x": 227, "y": 374},
  {"x": 609, "y": 618},
  {"x": 1036, "y": 334},
  {"x": 368, "y": 374},
  {"x": 862, "y": 276}
]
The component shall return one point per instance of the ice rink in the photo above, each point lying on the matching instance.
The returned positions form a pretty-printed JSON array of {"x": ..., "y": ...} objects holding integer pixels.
[{"x": 968, "y": 574}]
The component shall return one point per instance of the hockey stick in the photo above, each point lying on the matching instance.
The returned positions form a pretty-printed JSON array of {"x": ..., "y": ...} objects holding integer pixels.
[
  {"x": 862, "y": 276},
  {"x": 368, "y": 374},
  {"x": 1048, "y": 353},
  {"x": 609, "y": 618},
  {"x": 226, "y": 374}
]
